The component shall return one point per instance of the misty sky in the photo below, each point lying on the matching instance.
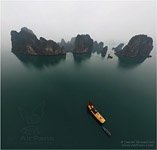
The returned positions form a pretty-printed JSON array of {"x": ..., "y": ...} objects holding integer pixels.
[{"x": 103, "y": 20}]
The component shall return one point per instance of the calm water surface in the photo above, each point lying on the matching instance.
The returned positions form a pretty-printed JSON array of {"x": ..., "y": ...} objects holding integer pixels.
[{"x": 44, "y": 101}]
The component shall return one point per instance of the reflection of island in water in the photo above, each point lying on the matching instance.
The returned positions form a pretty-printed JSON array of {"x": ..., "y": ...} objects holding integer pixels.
[
  {"x": 79, "y": 58},
  {"x": 128, "y": 63},
  {"x": 40, "y": 62}
]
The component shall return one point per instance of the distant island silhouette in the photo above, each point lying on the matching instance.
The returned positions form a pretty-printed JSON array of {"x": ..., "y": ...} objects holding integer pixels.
[{"x": 26, "y": 42}]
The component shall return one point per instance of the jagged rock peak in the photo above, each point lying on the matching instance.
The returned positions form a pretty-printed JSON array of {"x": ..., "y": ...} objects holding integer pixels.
[
  {"x": 83, "y": 44},
  {"x": 26, "y": 42},
  {"x": 138, "y": 46}
]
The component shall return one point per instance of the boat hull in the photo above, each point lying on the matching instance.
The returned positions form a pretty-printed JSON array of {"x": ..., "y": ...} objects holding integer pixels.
[{"x": 96, "y": 114}]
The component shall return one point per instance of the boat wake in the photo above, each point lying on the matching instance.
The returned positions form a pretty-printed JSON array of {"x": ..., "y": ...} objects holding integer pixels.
[{"x": 106, "y": 131}]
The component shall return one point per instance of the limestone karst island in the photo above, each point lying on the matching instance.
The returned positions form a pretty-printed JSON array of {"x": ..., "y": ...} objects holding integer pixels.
[{"x": 26, "y": 42}]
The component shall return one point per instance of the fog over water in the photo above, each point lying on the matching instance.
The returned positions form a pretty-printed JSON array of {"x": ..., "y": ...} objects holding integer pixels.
[
  {"x": 103, "y": 20},
  {"x": 46, "y": 97}
]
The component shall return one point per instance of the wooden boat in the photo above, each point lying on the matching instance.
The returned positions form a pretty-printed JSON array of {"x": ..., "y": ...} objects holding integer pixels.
[
  {"x": 95, "y": 113},
  {"x": 98, "y": 116}
]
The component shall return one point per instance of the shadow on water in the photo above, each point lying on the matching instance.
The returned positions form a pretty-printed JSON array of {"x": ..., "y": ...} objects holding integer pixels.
[
  {"x": 129, "y": 63},
  {"x": 79, "y": 58},
  {"x": 40, "y": 62}
]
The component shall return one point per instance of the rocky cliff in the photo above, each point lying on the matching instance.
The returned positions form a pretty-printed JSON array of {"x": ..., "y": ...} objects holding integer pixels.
[
  {"x": 138, "y": 46},
  {"x": 83, "y": 44},
  {"x": 68, "y": 46},
  {"x": 99, "y": 48},
  {"x": 26, "y": 42},
  {"x": 118, "y": 48},
  {"x": 104, "y": 51}
]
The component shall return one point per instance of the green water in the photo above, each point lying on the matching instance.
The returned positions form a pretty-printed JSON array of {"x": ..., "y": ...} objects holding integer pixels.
[{"x": 44, "y": 102}]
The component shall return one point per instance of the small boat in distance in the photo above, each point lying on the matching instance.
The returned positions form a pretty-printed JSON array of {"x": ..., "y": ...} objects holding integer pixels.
[
  {"x": 109, "y": 56},
  {"x": 95, "y": 113}
]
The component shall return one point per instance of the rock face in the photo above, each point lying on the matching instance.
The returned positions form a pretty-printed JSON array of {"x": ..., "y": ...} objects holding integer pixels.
[
  {"x": 26, "y": 42},
  {"x": 138, "y": 46},
  {"x": 83, "y": 44},
  {"x": 68, "y": 46},
  {"x": 104, "y": 51},
  {"x": 99, "y": 48},
  {"x": 118, "y": 48}
]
